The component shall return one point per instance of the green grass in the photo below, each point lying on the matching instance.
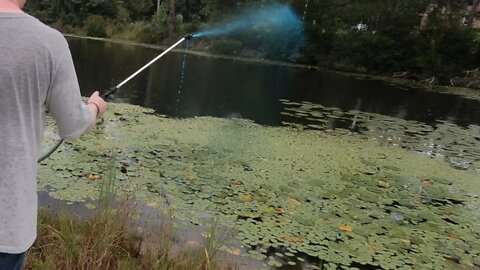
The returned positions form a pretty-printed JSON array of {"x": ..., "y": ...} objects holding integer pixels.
[{"x": 106, "y": 241}]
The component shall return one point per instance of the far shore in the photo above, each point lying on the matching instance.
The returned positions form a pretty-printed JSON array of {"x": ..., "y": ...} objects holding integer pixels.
[{"x": 469, "y": 93}]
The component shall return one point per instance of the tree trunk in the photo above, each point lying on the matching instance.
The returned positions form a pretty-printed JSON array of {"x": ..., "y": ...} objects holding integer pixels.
[
  {"x": 397, "y": 6},
  {"x": 426, "y": 16},
  {"x": 473, "y": 12},
  {"x": 388, "y": 5},
  {"x": 173, "y": 17},
  {"x": 447, "y": 11},
  {"x": 158, "y": 5}
]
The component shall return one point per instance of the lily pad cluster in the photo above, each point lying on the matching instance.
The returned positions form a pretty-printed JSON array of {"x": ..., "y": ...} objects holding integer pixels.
[
  {"x": 295, "y": 197},
  {"x": 460, "y": 146}
]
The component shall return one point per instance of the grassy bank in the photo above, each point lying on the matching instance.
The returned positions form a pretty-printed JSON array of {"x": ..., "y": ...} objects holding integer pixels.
[
  {"x": 108, "y": 241},
  {"x": 110, "y": 238}
]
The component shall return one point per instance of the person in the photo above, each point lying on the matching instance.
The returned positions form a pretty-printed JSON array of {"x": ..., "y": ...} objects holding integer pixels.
[{"x": 36, "y": 74}]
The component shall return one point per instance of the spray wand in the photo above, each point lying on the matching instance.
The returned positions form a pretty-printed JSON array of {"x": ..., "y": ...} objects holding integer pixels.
[{"x": 115, "y": 89}]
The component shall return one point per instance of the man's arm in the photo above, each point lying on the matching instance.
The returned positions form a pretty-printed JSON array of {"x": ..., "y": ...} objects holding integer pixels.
[
  {"x": 73, "y": 117},
  {"x": 97, "y": 107}
]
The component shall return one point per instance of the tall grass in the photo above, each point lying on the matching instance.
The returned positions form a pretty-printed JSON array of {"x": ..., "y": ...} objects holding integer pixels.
[{"x": 107, "y": 240}]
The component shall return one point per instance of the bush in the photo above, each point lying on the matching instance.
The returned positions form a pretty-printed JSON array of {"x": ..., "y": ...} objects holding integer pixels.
[
  {"x": 189, "y": 28},
  {"x": 121, "y": 20},
  {"x": 64, "y": 28},
  {"x": 159, "y": 26},
  {"x": 95, "y": 26},
  {"x": 446, "y": 51},
  {"x": 142, "y": 32},
  {"x": 226, "y": 46},
  {"x": 344, "y": 65}
]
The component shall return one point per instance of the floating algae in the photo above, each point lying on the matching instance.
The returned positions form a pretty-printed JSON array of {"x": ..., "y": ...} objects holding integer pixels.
[{"x": 336, "y": 200}]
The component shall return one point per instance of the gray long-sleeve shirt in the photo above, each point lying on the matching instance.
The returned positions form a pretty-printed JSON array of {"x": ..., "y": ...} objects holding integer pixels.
[{"x": 36, "y": 73}]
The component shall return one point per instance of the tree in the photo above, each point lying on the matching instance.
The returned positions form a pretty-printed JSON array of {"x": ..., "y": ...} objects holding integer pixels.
[
  {"x": 173, "y": 18},
  {"x": 138, "y": 9},
  {"x": 393, "y": 42},
  {"x": 472, "y": 12}
]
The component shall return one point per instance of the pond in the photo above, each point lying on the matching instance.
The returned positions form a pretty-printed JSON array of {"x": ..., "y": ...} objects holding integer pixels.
[{"x": 313, "y": 170}]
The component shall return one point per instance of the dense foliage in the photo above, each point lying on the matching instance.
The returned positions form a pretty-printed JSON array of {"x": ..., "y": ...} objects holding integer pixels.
[{"x": 424, "y": 37}]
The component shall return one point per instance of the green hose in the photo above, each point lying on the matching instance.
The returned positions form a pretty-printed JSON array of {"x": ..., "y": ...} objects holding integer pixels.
[{"x": 54, "y": 148}]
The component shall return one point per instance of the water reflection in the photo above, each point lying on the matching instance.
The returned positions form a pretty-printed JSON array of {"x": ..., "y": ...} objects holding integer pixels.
[{"x": 460, "y": 146}]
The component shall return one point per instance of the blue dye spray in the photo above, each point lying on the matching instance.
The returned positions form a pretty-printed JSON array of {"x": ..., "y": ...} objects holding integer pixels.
[
  {"x": 275, "y": 29},
  {"x": 182, "y": 77},
  {"x": 276, "y": 17}
]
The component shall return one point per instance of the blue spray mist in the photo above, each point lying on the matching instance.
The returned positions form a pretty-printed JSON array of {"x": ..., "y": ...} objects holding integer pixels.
[
  {"x": 275, "y": 29},
  {"x": 274, "y": 17}
]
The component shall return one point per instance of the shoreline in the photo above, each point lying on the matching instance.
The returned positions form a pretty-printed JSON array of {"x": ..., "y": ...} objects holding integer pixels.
[{"x": 199, "y": 53}]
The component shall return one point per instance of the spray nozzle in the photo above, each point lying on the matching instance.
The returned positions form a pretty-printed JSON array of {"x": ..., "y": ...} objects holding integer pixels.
[{"x": 188, "y": 37}]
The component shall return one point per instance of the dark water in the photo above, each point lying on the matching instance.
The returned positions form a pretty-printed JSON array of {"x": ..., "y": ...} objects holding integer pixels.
[{"x": 232, "y": 88}]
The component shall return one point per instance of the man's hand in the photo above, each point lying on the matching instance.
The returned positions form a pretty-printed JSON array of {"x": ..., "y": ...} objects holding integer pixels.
[{"x": 96, "y": 103}]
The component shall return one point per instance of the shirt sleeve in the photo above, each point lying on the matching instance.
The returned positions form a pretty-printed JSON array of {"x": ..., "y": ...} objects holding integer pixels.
[{"x": 64, "y": 99}]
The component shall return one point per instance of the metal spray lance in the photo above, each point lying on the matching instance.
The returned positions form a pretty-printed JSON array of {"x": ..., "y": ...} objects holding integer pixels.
[{"x": 115, "y": 88}]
